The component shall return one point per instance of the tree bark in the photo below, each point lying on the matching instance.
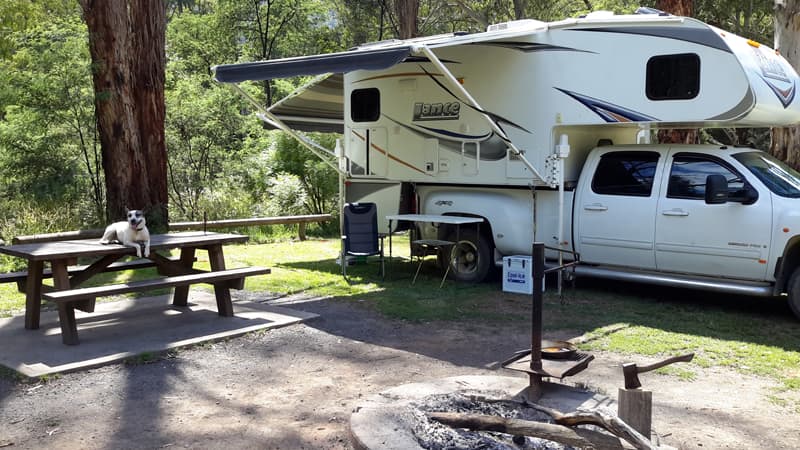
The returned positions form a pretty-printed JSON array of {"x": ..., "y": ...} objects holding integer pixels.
[
  {"x": 676, "y": 7},
  {"x": 407, "y": 11},
  {"x": 126, "y": 42},
  {"x": 785, "y": 141}
]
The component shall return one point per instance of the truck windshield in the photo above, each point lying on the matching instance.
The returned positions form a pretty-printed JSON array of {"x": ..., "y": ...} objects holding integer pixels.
[{"x": 774, "y": 173}]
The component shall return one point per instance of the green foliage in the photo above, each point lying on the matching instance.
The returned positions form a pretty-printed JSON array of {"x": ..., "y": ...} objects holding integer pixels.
[
  {"x": 319, "y": 180},
  {"x": 48, "y": 148},
  {"x": 204, "y": 145},
  {"x": 287, "y": 195},
  {"x": 753, "y": 20},
  {"x": 20, "y": 218},
  {"x": 195, "y": 42}
]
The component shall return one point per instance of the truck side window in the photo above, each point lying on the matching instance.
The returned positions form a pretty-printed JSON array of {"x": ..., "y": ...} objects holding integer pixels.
[
  {"x": 365, "y": 105},
  {"x": 687, "y": 178},
  {"x": 625, "y": 173}
]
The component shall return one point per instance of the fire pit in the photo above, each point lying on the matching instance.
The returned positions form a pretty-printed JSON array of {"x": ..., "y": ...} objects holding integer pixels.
[{"x": 398, "y": 418}]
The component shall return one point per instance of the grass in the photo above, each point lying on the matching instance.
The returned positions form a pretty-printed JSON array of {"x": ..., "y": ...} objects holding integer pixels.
[{"x": 751, "y": 335}]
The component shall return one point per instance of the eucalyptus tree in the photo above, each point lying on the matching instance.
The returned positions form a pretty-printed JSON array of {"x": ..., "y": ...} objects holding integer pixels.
[
  {"x": 786, "y": 141},
  {"x": 126, "y": 42}
]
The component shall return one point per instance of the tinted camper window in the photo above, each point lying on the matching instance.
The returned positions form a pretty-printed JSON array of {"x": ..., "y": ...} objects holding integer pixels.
[
  {"x": 625, "y": 173},
  {"x": 673, "y": 77},
  {"x": 365, "y": 105}
]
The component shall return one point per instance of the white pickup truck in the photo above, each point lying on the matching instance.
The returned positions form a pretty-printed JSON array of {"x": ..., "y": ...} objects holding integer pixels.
[
  {"x": 728, "y": 215},
  {"x": 698, "y": 216}
]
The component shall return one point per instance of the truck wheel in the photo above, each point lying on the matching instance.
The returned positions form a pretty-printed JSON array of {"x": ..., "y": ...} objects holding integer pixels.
[
  {"x": 471, "y": 257},
  {"x": 793, "y": 289}
]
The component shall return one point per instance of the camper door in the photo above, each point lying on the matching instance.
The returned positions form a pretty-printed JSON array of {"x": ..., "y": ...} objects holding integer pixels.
[{"x": 366, "y": 152}]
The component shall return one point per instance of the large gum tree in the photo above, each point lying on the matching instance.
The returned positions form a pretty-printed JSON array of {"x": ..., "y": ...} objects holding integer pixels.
[
  {"x": 126, "y": 42},
  {"x": 785, "y": 141}
]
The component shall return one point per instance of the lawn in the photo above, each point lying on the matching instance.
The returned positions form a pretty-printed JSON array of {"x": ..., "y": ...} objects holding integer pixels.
[{"x": 754, "y": 336}]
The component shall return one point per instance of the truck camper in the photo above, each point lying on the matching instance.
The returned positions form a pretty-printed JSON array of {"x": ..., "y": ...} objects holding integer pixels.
[{"x": 544, "y": 131}]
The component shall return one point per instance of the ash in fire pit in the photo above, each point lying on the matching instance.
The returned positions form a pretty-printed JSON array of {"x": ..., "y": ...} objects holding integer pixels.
[
  {"x": 433, "y": 435},
  {"x": 397, "y": 418}
]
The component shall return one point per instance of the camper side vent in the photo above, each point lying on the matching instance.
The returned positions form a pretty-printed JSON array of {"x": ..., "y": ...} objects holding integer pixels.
[{"x": 516, "y": 24}]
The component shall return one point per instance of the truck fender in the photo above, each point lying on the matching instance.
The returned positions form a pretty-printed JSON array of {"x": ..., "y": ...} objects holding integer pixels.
[{"x": 787, "y": 264}]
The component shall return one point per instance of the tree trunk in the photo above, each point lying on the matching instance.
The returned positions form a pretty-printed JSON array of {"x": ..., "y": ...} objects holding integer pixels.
[
  {"x": 126, "y": 42},
  {"x": 407, "y": 11},
  {"x": 785, "y": 141},
  {"x": 676, "y": 7},
  {"x": 519, "y": 9}
]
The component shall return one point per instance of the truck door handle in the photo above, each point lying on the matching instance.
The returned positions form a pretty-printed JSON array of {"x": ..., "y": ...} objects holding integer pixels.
[
  {"x": 674, "y": 212},
  {"x": 595, "y": 207}
]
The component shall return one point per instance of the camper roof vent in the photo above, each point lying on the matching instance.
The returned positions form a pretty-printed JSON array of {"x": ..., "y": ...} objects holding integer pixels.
[{"x": 515, "y": 25}]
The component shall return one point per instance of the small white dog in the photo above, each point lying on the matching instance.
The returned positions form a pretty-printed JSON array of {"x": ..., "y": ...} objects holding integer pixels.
[{"x": 130, "y": 233}]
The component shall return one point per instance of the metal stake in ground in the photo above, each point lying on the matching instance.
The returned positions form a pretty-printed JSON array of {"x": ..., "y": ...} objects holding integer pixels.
[{"x": 537, "y": 299}]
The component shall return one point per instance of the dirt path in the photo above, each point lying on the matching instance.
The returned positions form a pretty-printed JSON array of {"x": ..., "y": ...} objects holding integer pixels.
[{"x": 295, "y": 388}]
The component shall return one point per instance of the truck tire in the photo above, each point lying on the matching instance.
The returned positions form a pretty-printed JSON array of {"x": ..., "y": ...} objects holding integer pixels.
[
  {"x": 793, "y": 290},
  {"x": 471, "y": 257}
]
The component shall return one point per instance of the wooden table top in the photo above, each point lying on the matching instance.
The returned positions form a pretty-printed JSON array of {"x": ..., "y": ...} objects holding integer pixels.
[{"x": 43, "y": 251}]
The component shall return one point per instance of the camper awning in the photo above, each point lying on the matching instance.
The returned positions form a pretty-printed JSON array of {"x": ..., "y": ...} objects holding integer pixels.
[
  {"x": 371, "y": 59},
  {"x": 317, "y": 106}
]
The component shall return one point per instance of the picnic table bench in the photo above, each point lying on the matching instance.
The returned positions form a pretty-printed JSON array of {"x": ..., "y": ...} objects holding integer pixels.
[{"x": 179, "y": 273}]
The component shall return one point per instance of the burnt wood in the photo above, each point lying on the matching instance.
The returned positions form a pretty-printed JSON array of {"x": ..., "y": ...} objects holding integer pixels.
[{"x": 574, "y": 437}]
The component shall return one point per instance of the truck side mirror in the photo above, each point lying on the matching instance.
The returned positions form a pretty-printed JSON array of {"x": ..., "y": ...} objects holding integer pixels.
[{"x": 716, "y": 189}]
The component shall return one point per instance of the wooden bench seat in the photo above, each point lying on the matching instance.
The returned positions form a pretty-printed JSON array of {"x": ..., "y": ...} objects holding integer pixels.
[
  {"x": 68, "y": 300},
  {"x": 21, "y": 276}
]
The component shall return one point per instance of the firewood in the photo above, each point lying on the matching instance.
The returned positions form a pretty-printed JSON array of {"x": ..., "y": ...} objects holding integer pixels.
[
  {"x": 576, "y": 437},
  {"x": 609, "y": 422}
]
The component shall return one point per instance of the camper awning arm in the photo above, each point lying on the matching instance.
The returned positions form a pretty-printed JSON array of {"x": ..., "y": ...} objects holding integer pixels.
[
  {"x": 321, "y": 152},
  {"x": 453, "y": 82}
]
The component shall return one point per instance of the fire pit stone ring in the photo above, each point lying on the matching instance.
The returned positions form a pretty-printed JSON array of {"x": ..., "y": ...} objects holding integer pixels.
[{"x": 386, "y": 420}]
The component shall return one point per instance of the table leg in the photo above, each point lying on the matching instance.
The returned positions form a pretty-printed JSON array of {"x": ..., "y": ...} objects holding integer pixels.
[
  {"x": 69, "y": 326},
  {"x": 33, "y": 294},
  {"x": 181, "y": 295},
  {"x": 390, "y": 241},
  {"x": 66, "y": 311},
  {"x": 221, "y": 290}
]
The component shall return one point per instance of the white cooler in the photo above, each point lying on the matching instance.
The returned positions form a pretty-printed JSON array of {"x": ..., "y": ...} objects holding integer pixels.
[{"x": 518, "y": 274}]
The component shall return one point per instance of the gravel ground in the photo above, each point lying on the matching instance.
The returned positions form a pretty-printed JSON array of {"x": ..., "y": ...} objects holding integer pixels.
[{"x": 295, "y": 388}]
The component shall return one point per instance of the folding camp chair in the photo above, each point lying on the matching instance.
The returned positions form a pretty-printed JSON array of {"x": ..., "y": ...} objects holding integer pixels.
[{"x": 360, "y": 236}]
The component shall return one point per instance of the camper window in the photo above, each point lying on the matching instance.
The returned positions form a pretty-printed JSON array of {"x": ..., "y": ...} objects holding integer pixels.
[
  {"x": 673, "y": 77},
  {"x": 365, "y": 105},
  {"x": 625, "y": 173}
]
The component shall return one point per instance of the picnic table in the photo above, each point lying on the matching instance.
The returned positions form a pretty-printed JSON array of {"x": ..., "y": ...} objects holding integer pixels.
[{"x": 67, "y": 277}]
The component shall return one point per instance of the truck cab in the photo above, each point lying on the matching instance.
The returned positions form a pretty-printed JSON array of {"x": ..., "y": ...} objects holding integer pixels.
[{"x": 729, "y": 214}]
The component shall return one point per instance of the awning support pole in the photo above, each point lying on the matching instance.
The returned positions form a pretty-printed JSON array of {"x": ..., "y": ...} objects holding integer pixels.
[
  {"x": 321, "y": 152},
  {"x": 457, "y": 86}
]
